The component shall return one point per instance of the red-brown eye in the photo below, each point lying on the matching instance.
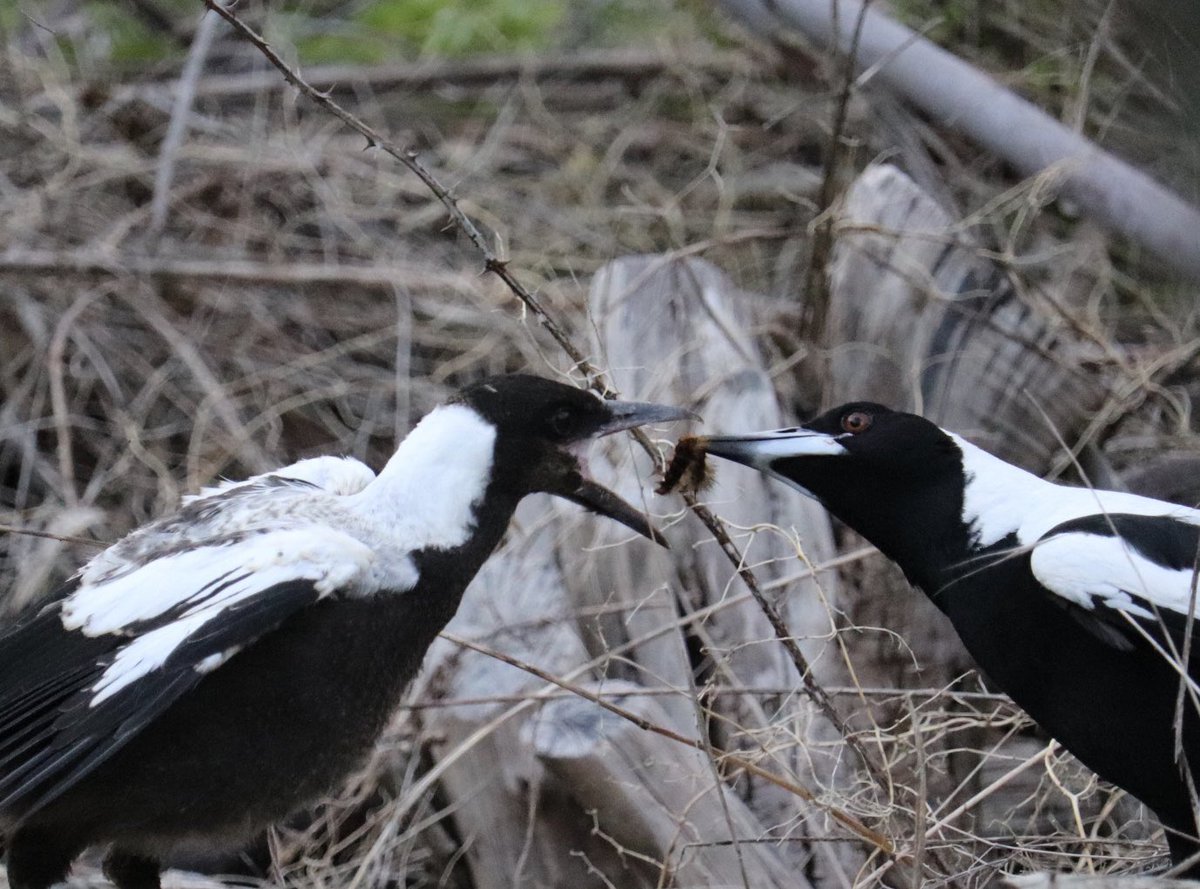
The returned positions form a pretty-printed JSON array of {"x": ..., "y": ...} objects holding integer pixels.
[{"x": 856, "y": 422}]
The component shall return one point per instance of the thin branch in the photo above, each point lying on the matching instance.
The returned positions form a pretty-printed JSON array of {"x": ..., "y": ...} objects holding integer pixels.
[
  {"x": 90, "y": 262},
  {"x": 844, "y": 818},
  {"x": 492, "y": 262},
  {"x": 46, "y": 535},
  {"x": 177, "y": 128},
  {"x": 595, "y": 378},
  {"x": 629, "y": 64},
  {"x": 816, "y": 285}
]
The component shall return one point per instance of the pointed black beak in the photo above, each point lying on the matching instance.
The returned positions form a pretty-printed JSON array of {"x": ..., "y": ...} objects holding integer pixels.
[
  {"x": 600, "y": 500},
  {"x": 597, "y": 498}
]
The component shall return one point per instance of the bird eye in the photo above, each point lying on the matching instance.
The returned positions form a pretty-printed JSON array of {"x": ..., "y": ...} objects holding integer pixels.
[
  {"x": 562, "y": 421},
  {"x": 856, "y": 422}
]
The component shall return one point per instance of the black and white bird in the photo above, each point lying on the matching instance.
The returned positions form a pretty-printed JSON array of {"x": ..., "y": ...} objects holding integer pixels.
[
  {"x": 219, "y": 668},
  {"x": 1076, "y": 602}
]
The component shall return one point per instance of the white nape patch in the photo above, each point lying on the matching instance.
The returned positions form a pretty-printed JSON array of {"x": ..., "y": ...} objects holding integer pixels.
[
  {"x": 334, "y": 475},
  {"x": 432, "y": 484},
  {"x": 1080, "y": 567},
  {"x": 1001, "y": 499},
  {"x": 204, "y": 583},
  {"x": 997, "y": 495}
]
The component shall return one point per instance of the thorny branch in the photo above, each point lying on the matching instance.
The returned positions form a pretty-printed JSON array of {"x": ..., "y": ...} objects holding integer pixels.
[
  {"x": 492, "y": 262},
  {"x": 498, "y": 266}
]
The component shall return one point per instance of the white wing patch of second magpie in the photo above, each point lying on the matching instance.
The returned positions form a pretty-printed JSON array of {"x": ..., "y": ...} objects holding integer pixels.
[
  {"x": 189, "y": 589},
  {"x": 1084, "y": 568}
]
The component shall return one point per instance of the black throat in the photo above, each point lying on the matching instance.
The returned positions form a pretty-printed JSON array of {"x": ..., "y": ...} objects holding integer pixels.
[{"x": 915, "y": 520}]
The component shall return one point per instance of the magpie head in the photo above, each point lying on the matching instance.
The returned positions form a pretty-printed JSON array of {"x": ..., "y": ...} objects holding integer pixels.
[
  {"x": 889, "y": 475},
  {"x": 543, "y": 430}
]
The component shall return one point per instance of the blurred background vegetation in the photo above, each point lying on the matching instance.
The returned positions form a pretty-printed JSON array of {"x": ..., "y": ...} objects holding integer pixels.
[{"x": 303, "y": 296}]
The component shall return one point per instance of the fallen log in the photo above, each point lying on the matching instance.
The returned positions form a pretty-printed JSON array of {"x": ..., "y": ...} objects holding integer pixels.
[{"x": 960, "y": 96}]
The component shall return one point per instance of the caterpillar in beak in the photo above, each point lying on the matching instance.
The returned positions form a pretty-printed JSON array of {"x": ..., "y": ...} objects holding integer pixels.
[{"x": 688, "y": 470}]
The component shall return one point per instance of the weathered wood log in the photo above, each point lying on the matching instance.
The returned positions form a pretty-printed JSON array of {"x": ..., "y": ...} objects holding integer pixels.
[
  {"x": 918, "y": 319},
  {"x": 1095, "y": 881},
  {"x": 676, "y": 331},
  {"x": 514, "y": 824},
  {"x": 1120, "y": 197},
  {"x": 524, "y": 823},
  {"x": 654, "y": 797}
]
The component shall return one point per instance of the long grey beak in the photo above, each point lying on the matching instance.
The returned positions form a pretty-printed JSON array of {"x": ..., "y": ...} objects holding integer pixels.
[
  {"x": 761, "y": 449},
  {"x": 631, "y": 414}
]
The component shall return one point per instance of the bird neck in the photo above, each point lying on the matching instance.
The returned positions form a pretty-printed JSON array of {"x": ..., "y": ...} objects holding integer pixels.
[
  {"x": 434, "y": 489},
  {"x": 921, "y": 532},
  {"x": 997, "y": 496},
  {"x": 997, "y": 499}
]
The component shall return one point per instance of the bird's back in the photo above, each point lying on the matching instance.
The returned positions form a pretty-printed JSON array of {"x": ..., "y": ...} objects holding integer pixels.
[{"x": 153, "y": 616}]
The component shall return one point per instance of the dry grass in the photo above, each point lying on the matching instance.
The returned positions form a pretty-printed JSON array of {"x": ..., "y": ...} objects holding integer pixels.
[{"x": 305, "y": 296}]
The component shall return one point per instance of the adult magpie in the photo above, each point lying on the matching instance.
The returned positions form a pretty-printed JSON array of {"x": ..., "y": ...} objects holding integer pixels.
[
  {"x": 221, "y": 667},
  {"x": 1076, "y": 602}
]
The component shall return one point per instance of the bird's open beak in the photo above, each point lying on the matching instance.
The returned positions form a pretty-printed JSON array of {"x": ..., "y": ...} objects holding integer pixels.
[
  {"x": 593, "y": 496},
  {"x": 761, "y": 449}
]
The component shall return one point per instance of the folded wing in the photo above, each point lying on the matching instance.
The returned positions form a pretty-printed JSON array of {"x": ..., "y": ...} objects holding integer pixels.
[
  {"x": 88, "y": 672},
  {"x": 1129, "y": 579}
]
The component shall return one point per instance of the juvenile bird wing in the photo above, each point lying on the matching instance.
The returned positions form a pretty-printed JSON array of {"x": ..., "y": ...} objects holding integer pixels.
[
  {"x": 89, "y": 671},
  {"x": 334, "y": 475},
  {"x": 1127, "y": 578}
]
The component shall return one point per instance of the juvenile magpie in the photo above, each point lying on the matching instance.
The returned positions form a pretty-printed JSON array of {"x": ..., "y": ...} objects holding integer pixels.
[
  {"x": 1075, "y": 602},
  {"x": 221, "y": 667}
]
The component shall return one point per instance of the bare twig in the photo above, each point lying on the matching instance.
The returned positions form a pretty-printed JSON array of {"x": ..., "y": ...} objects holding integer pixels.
[
  {"x": 629, "y": 64},
  {"x": 595, "y": 378},
  {"x": 58, "y": 397},
  {"x": 845, "y": 819},
  {"x": 92, "y": 263},
  {"x": 492, "y": 262},
  {"x": 816, "y": 285},
  {"x": 46, "y": 535}
]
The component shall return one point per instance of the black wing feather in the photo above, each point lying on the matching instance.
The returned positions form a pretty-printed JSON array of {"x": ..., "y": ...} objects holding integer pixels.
[{"x": 52, "y": 735}]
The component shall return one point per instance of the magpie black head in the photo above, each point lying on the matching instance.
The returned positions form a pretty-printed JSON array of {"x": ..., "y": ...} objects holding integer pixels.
[
  {"x": 543, "y": 428},
  {"x": 892, "y": 476}
]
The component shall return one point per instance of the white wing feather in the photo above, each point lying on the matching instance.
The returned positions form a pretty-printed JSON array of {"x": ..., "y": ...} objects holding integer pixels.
[
  {"x": 196, "y": 586},
  {"x": 334, "y": 475},
  {"x": 1084, "y": 567}
]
